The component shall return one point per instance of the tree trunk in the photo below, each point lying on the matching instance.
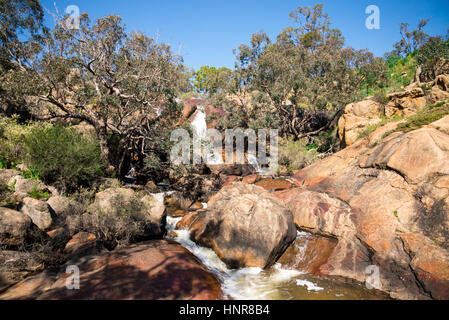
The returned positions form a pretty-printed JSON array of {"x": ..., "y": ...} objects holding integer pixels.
[{"x": 104, "y": 148}]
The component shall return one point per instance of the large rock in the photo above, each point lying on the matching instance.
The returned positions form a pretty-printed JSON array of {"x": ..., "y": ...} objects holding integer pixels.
[
  {"x": 440, "y": 89},
  {"x": 190, "y": 106},
  {"x": 430, "y": 264},
  {"x": 442, "y": 125},
  {"x": 236, "y": 169},
  {"x": 357, "y": 117},
  {"x": 245, "y": 226},
  {"x": 415, "y": 155},
  {"x": 7, "y": 174},
  {"x": 22, "y": 187},
  {"x": 308, "y": 253},
  {"x": 156, "y": 213},
  {"x": 16, "y": 266},
  {"x": 82, "y": 243},
  {"x": 374, "y": 199},
  {"x": 157, "y": 270},
  {"x": 14, "y": 227},
  {"x": 38, "y": 211},
  {"x": 405, "y": 103},
  {"x": 63, "y": 206}
]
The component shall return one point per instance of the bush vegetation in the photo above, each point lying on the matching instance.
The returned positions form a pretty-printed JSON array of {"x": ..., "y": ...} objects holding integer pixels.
[
  {"x": 63, "y": 157},
  {"x": 295, "y": 155},
  {"x": 38, "y": 194},
  {"x": 423, "y": 117},
  {"x": 370, "y": 129},
  {"x": 56, "y": 154},
  {"x": 6, "y": 199},
  {"x": 119, "y": 227}
]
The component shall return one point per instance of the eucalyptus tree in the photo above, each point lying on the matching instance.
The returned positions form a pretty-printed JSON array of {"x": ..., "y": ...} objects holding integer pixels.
[
  {"x": 123, "y": 84},
  {"x": 304, "y": 79},
  {"x": 21, "y": 30}
]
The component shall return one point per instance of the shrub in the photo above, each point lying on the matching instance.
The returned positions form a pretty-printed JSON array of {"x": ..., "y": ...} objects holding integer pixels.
[
  {"x": 295, "y": 155},
  {"x": 63, "y": 157},
  {"x": 6, "y": 199},
  {"x": 122, "y": 225},
  {"x": 30, "y": 174},
  {"x": 12, "y": 135},
  {"x": 429, "y": 54},
  {"x": 38, "y": 194},
  {"x": 423, "y": 117},
  {"x": 370, "y": 129},
  {"x": 401, "y": 71}
]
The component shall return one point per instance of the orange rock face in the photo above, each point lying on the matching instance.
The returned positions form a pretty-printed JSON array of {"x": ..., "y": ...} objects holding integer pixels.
[
  {"x": 251, "y": 179},
  {"x": 157, "y": 270},
  {"x": 308, "y": 253},
  {"x": 274, "y": 184},
  {"x": 80, "y": 242},
  {"x": 383, "y": 198}
]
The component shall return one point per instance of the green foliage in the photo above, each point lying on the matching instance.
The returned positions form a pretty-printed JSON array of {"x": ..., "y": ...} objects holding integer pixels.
[
  {"x": 422, "y": 118},
  {"x": 6, "y": 199},
  {"x": 436, "y": 47},
  {"x": 298, "y": 82},
  {"x": 63, "y": 157},
  {"x": 429, "y": 56},
  {"x": 12, "y": 136},
  {"x": 312, "y": 146},
  {"x": 124, "y": 84},
  {"x": 411, "y": 40},
  {"x": 295, "y": 155},
  {"x": 123, "y": 225},
  {"x": 17, "y": 18},
  {"x": 209, "y": 80},
  {"x": 401, "y": 71},
  {"x": 29, "y": 173},
  {"x": 370, "y": 129},
  {"x": 38, "y": 194}
]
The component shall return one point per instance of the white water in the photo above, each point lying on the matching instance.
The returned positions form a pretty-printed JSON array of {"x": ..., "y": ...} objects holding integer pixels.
[
  {"x": 242, "y": 284},
  {"x": 199, "y": 125}
]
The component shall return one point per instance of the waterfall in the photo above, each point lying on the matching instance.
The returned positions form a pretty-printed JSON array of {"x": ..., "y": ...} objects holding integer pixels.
[
  {"x": 252, "y": 160},
  {"x": 275, "y": 283},
  {"x": 199, "y": 125}
]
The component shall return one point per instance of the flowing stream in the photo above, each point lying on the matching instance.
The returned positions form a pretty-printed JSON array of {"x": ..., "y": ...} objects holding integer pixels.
[{"x": 276, "y": 283}]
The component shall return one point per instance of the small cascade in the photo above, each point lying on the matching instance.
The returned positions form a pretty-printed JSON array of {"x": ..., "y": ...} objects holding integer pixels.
[
  {"x": 130, "y": 177},
  {"x": 252, "y": 160},
  {"x": 199, "y": 123},
  {"x": 245, "y": 283}
]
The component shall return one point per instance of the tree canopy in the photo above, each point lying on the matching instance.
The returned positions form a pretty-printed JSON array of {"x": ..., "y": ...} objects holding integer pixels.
[
  {"x": 124, "y": 85},
  {"x": 306, "y": 71}
]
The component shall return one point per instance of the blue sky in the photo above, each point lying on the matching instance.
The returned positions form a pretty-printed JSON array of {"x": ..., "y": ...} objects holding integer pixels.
[{"x": 206, "y": 32}]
